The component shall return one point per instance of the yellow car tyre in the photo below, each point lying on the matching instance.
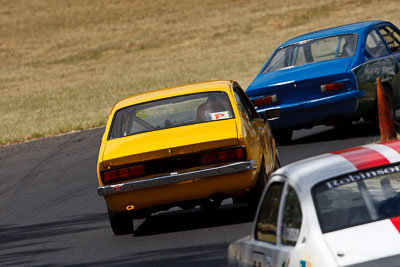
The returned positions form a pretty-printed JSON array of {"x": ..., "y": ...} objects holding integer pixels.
[
  {"x": 121, "y": 222},
  {"x": 211, "y": 205},
  {"x": 256, "y": 191}
]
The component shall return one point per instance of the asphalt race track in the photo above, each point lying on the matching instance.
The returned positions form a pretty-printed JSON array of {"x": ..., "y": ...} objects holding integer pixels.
[{"x": 51, "y": 214}]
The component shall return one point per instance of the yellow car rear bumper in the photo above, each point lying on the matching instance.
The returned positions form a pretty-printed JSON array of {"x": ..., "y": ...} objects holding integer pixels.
[
  {"x": 176, "y": 178},
  {"x": 176, "y": 187}
]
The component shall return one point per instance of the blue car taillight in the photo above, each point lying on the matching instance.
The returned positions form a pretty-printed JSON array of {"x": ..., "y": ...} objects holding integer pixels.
[
  {"x": 330, "y": 87},
  {"x": 265, "y": 100}
]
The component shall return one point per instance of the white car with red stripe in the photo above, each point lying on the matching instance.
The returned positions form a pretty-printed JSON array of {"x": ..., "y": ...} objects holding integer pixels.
[{"x": 336, "y": 209}]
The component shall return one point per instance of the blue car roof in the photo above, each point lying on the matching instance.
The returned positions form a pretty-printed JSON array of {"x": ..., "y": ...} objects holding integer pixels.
[{"x": 358, "y": 28}]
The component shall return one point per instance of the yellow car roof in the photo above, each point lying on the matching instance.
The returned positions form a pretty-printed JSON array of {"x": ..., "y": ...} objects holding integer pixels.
[{"x": 173, "y": 91}]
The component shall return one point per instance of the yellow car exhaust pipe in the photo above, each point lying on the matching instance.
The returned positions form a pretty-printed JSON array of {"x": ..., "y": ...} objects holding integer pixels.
[{"x": 130, "y": 207}]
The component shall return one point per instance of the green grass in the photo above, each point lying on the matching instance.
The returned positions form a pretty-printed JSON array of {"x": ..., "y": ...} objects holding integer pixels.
[{"x": 65, "y": 63}]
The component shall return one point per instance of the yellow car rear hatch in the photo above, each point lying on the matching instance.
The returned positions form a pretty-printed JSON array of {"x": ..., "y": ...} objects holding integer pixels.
[{"x": 170, "y": 142}]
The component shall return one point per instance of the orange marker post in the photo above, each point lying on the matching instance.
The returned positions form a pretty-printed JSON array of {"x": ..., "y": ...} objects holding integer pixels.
[{"x": 386, "y": 125}]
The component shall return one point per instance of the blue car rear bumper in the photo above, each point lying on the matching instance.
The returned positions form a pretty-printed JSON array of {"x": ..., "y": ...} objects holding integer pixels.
[{"x": 315, "y": 111}]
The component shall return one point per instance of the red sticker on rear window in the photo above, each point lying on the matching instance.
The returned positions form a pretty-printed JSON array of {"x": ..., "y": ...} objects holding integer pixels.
[{"x": 219, "y": 115}]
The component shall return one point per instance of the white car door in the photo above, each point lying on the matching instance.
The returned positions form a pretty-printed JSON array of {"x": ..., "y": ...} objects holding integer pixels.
[
  {"x": 277, "y": 226},
  {"x": 266, "y": 227},
  {"x": 289, "y": 223}
]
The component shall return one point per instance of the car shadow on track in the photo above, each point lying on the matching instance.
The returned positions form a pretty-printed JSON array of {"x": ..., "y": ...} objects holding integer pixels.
[
  {"x": 21, "y": 245},
  {"x": 194, "y": 256},
  {"x": 183, "y": 220},
  {"x": 356, "y": 130}
]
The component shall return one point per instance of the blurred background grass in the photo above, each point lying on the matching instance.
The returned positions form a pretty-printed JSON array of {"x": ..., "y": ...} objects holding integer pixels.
[{"x": 65, "y": 63}]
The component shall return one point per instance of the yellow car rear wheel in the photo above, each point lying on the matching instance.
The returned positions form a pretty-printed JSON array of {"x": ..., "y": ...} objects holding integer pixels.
[
  {"x": 121, "y": 222},
  {"x": 211, "y": 204},
  {"x": 257, "y": 190}
]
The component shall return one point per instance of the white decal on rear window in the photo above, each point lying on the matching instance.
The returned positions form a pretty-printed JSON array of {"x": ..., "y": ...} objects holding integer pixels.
[
  {"x": 361, "y": 176},
  {"x": 219, "y": 115}
]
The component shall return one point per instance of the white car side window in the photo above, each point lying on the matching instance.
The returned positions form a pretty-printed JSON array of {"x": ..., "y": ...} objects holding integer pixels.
[
  {"x": 267, "y": 220},
  {"x": 292, "y": 218}
]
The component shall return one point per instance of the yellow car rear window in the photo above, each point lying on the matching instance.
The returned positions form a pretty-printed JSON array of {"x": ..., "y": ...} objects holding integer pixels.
[{"x": 171, "y": 112}]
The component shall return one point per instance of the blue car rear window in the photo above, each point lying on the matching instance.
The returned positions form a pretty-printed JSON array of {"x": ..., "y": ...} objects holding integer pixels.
[{"x": 314, "y": 50}]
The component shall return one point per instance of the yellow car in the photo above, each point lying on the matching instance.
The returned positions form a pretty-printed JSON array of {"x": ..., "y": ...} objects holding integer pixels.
[{"x": 185, "y": 146}]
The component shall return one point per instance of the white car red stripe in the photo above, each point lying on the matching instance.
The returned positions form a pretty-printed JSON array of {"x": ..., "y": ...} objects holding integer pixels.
[
  {"x": 363, "y": 157},
  {"x": 394, "y": 145},
  {"x": 389, "y": 153},
  {"x": 396, "y": 223}
]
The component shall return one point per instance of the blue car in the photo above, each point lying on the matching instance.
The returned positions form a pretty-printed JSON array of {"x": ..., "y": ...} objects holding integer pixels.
[{"x": 328, "y": 77}]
